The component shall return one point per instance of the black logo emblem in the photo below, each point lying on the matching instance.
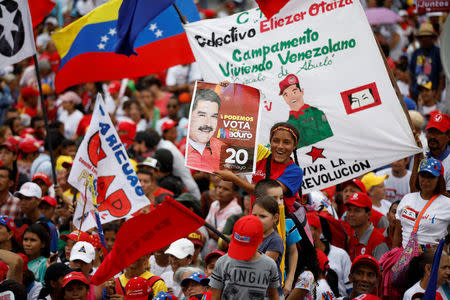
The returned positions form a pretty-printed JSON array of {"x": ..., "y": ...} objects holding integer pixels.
[{"x": 12, "y": 33}]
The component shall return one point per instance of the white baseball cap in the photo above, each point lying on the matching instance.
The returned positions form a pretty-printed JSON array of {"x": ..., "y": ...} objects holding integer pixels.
[
  {"x": 29, "y": 189},
  {"x": 83, "y": 251},
  {"x": 181, "y": 248}
]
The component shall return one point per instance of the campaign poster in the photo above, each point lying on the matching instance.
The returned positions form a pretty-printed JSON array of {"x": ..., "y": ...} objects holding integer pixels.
[
  {"x": 319, "y": 68},
  {"x": 223, "y": 126}
]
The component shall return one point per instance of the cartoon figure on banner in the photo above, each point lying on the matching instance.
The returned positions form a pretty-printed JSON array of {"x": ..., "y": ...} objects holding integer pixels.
[
  {"x": 203, "y": 148},
  {"x": 310, "y": 121}
]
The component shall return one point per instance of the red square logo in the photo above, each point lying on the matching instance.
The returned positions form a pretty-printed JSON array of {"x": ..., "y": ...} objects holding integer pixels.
[{"x": 361, "y": 98}]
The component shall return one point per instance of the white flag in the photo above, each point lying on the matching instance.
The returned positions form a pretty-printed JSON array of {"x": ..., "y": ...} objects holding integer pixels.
[
  {"x": 320, "y": 69},
  {"x": 16, "y": 32},
  {"x": 102, "y": 155}
]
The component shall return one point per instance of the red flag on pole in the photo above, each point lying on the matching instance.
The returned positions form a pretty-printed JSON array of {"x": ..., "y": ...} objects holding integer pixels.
[
  {"x": 145, "y": 234},
  {"x": 39, "y": 9},
  {"x": 271, "y": 7}
]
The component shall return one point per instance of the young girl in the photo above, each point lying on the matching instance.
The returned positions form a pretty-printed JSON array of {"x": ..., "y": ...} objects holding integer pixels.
[
  {"x": 266, "y": 209},
  {"x": 317, "y": 287},
  {"x": 36, "y": 243}
]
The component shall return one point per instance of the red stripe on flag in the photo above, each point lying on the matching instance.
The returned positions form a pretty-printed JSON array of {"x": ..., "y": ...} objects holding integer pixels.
[
  {"x": 271, "y": 7},
  {"x": 145, "y": 234},
  {"x": 39, "y": 9},
  {"x": 151, "y": 58}
]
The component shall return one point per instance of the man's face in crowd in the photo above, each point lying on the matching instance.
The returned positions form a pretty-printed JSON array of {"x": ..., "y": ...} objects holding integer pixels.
[
  {"x": 193, "y": 288},
  {"x": 172, "y": 108},
  {"x": 364, "y": 280},
  {"x": 146, "y": 97},
  {"x": 427, "y": 96},
  {"x": 39, "y": 127},
  {"x": 444, "y": 269},
  {"x": 6, "y": 156},
  {"x": 377, "y": 192},
  {"x": 75, "y": 290},
  {"x": 277, "y": 193},
  {"x": 349, "y": 190},
  {"x": 83, "y": 266},
  {"x": 177, "y": 263},
  {"x": 28, "y": 204},
  {"x": 357, "y": 216},
  {"x": 209, "y": 268},
  {"x": 399, "y": 165},
  {"x": 225, "y": 192},
  {"x": 139, "y": 147},
  {"x": 46, "y": 209},
  {"x": 110, "y": 238},
  {"x": 426, "y": 41},
  {"x": 437, "y": 140},
  {"x": 293, "y": 97},
  {"x": 204, "y": 121},
  {"x": 146, "y": 182},
  {"x": 138, "y": 267}
]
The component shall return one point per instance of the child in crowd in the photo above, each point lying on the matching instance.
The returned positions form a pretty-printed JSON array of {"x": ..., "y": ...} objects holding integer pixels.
[
  {"x": 36, "y": 244},
  {"x": 244, "y": 273}
]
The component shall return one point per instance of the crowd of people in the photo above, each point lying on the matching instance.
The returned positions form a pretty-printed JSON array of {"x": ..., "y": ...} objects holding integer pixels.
[{"x": 371, "y": 237}]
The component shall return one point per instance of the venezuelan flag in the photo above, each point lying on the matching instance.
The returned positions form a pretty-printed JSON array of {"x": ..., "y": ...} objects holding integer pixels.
[{"x": 86, "y": 46}]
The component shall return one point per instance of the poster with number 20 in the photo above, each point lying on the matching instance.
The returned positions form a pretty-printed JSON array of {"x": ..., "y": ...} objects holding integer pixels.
[{"x": 223, "y": 123}]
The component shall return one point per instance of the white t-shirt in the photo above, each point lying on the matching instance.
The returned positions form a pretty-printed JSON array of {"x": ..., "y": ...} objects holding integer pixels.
[
  {"x": 70, "y": 122},
  {"x": 340, "y": 262},
  {"x": 396, "y": 187},
  {"x": 446, "y": 165},
  {"x": 322, "y": 289},
  {"x": 170, "y": 283},
  {"x": 434, "y": 222},
  {"x": 384, "y": 208},
  {"x": 418, "y": 289},
  {"x": 157, "y": 269}
]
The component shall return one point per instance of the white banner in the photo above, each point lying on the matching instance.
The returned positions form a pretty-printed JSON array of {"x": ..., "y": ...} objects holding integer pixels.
[
  {"x": 16, "y": 37},
  {"x": 319, "y": 68},
  {"x": 102, "y": 155}
]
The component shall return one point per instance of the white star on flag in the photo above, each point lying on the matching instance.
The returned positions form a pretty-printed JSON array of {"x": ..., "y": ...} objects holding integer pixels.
[
  {"x": 8, "y": 26},
  {"x": 101, "y": 46},
  {"x": 112, "y": 31},
  {"x": 105, "y": 38},
  {"x": 158, "y": 33},
  {"x": 153, "y": 27}
]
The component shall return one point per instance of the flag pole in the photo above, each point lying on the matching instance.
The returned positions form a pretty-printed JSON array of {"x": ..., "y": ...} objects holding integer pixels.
[
  {"x": 44, "y": 111},
  {"x": 182, "y": 18},
  {"x": 213, "y": 229}
]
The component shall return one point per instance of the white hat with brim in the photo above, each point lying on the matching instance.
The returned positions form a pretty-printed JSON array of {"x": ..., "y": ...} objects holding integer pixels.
[{"x": 181, "y": 248}]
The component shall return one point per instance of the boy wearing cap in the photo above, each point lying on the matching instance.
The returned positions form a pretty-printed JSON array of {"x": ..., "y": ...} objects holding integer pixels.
[
  {"x": 244, "y": 273},
  {"x": 377, "y": 192},
  {"x": 365, "y": 275},
  {"x": 311, "y": 122},
  {"x": 195, "y": 285},
  {"x": 365, "y": 238},
  {"x": 8, "y": 157},
  {"x": 75, "y": 286}
]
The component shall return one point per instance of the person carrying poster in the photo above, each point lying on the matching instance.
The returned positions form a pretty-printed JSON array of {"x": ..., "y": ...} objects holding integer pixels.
[
  {"x": 310, "y": 121},
  {"x": 223, "y": 128}
]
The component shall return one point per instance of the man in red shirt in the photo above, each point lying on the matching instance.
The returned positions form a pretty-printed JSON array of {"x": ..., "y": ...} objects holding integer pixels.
[
  {"x": 203, "y": 148},
  {"x": 365, "y": 238}
]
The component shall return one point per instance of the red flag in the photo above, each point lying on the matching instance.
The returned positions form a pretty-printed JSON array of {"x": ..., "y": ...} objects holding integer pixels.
[
  {"x": 39, "y": 9},
  {"x": 145, "y": 234},
  {"x": 271, "y": 7}
]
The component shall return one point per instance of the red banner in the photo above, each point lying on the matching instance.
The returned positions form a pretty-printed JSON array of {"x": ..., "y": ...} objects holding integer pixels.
[
  {"x": 145, "y": 234},
  {"x": 426, "y": 6}
]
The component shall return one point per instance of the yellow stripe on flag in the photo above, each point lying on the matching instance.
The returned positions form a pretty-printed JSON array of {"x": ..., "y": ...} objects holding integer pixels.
[
  {"x": 281, "y": 227},
  {"x": 64, "y": 37}
]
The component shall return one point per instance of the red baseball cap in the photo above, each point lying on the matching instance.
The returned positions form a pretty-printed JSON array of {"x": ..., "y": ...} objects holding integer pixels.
[
  {"x": 359, "y": 200},
  {"x": 43, "y": 176},
  {"x": 356, "y": 182},
  {"x": 323, "y": 260},
  {"x": 313, "y": 219},
  {"x": 213, "y": 254},
  {"x": 29, "y": 144},
  {"x": 114, "y": 87},
  {"x": 11, "y": 143},
  {"x": 50, "y": 200},
  {"x": 286, "y": 82},
  {"x": 247, "y": 235},
  {"x": 84, "y": 236},
  {"x": 197, "y": 238},
  {"x": 439, "y": 121},
  {"x": 72, "y": 276},
  {"x": 29, "y": 91},
  {"x": 168, "y": 124},
  {"x": 137, "y": 288},
  {"x": 366, "y": 260}
]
